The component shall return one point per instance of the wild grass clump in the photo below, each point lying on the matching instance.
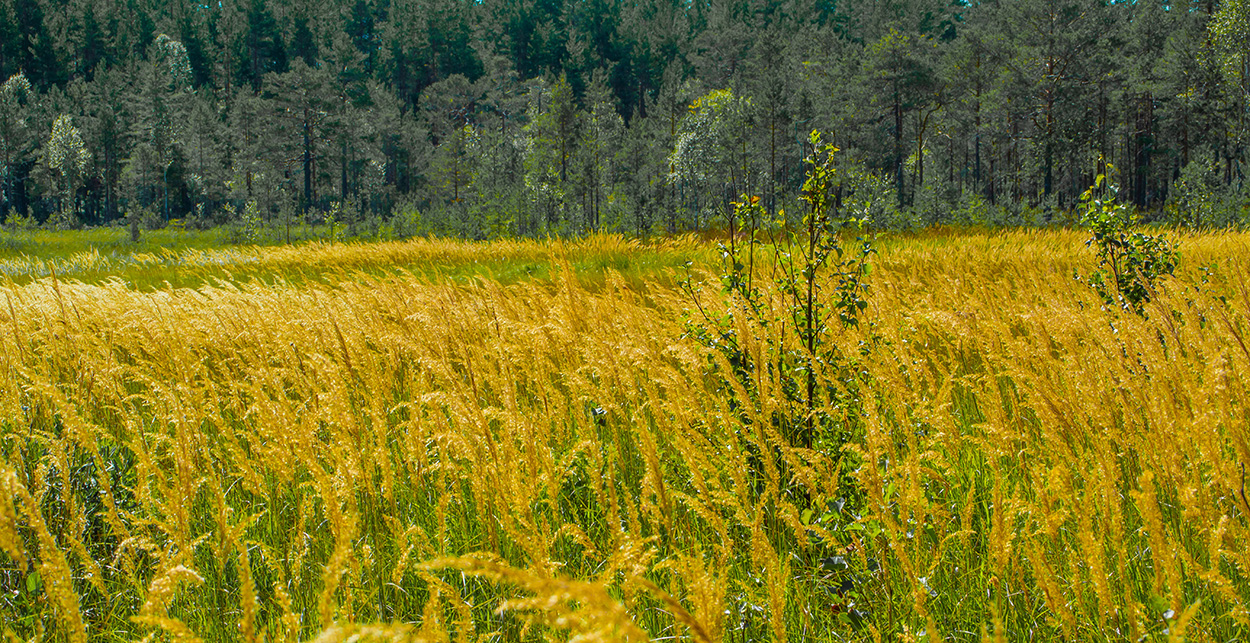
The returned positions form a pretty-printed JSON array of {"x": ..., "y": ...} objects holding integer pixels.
[{"x": 376, "y": 456}]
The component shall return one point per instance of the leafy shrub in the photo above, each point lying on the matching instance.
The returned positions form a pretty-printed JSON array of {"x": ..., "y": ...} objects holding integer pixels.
[
  {"x": 1199, "y": 201},
  {"x": 872, "y": 198},
  {"x": 1129, "y": 262},
  {"x": 151, "y": 219},
  {"x": 408, "y": 221},
  {"x": 813, "y": 371},
  {"x": 16, "y": 221},
  {"x": 250, "y": 224}
]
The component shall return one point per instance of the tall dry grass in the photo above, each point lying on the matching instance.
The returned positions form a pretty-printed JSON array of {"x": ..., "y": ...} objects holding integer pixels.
[{"x": 390, "y": 458}]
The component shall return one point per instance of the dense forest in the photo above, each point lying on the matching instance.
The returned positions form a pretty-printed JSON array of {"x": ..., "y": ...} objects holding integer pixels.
[{"x": 535, "y": 117}]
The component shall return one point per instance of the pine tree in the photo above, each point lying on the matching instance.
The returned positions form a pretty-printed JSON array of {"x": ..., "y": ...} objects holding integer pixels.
[
  {"x": 204, "y": 147},
  {"x": 349, "y": 126},
  {"x": 901, "y": 67},
  {"x": 601, "y": 133},
  {"x": 773, "y": 83},
  {"x": 303, "y": 103},
  {"x": 163, "y": 89},
  {"x": 1229, "y": 31},
  {"x": 303, "y": 43},
  {"x": 36, "y": 56},
  {"x": 195, "y": 35},
  {"x": 263, "y": 50},
  {"x": 449, "y": 107},
  {"x": 360, "y": 28},
  {"x": 93, "y": 50},
  {"x": 551, "y": 139},
  {"x": 1053, "y": 46},
  {"x": 10, "y": 44},
  {"x": 15, "y": 141},
  {"x": 107, "y": 130}
]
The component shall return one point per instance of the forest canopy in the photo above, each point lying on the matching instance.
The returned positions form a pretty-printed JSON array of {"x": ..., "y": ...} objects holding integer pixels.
[{"x": 542, "y": 117}]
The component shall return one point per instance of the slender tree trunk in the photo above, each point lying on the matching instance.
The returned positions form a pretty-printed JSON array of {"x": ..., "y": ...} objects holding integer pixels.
[
  {"x": 898, "y": 145},
  {"x": 1185, "y": 139},
  {"x": 990, "y": 181},
  {"x": 922, "y": 125},
  {"x": 976, "y": 174},
  {"x": 672, "y": 169},
  {"x": 343, "y": 169},
  {"x": 307, "y": 161},
  {"x": 455, "y": 169},
  {"x": 950, "y": 160},
  {"x": 1048, "y": 154},
  {"x": 772, "y": 160}
]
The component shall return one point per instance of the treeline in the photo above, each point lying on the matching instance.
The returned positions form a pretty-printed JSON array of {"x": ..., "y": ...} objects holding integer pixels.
[{"x": 499, "y": 117}]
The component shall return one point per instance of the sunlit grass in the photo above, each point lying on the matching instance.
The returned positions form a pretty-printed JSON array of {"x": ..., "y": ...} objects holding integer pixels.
[{"x": 444, "y": 440}]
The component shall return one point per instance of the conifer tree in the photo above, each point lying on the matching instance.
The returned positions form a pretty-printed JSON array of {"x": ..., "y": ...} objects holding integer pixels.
[
  {"x": 165, "y": 82},
  {"x": 600, "y": 139},
  {"x": 551, "y": 139},
  {"x": 449, "y": 107},
  {"x": 15, "y": 139},
  {"x": 303, "y": 104},
  {"x": 36, "y": 56},
  {"x": 262, "y": 48},
  {"x": 107, "y": 129}
]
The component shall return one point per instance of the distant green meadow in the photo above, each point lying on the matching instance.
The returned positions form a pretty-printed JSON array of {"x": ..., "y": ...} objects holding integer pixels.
[{"x": 190, "y": 258}]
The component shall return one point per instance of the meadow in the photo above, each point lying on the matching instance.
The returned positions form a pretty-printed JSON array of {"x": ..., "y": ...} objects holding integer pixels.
[{"x": 435, "y": 440}]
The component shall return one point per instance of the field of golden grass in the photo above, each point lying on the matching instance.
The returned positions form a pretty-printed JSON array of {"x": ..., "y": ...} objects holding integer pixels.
[{"x": 381, "y": 453}]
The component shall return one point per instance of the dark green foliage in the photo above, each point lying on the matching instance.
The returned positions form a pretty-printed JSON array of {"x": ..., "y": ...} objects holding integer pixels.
[
  {"x": 9, "y": 45},
  {"x": 302, "y": 43},
  {"x": 197, "y": 54},
  {"x": 35, "y": 54},
  {"x": 984, "y": 114},
  {"x": 142, "y": 32},
  {"x": 451, "y": 45},
  {"x": 94, "y": 49},
  {"x": 360, "y": 28},
  {"x": 262, "y": 51}
]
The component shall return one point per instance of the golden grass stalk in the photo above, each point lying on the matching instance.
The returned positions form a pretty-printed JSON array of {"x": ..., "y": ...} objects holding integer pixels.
[
  {"x": 54, "y": 569},
  {"x": 586, "y": 609},
  {"x": 162, "y": 591},
  {"x": 392, "y": 633}
]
